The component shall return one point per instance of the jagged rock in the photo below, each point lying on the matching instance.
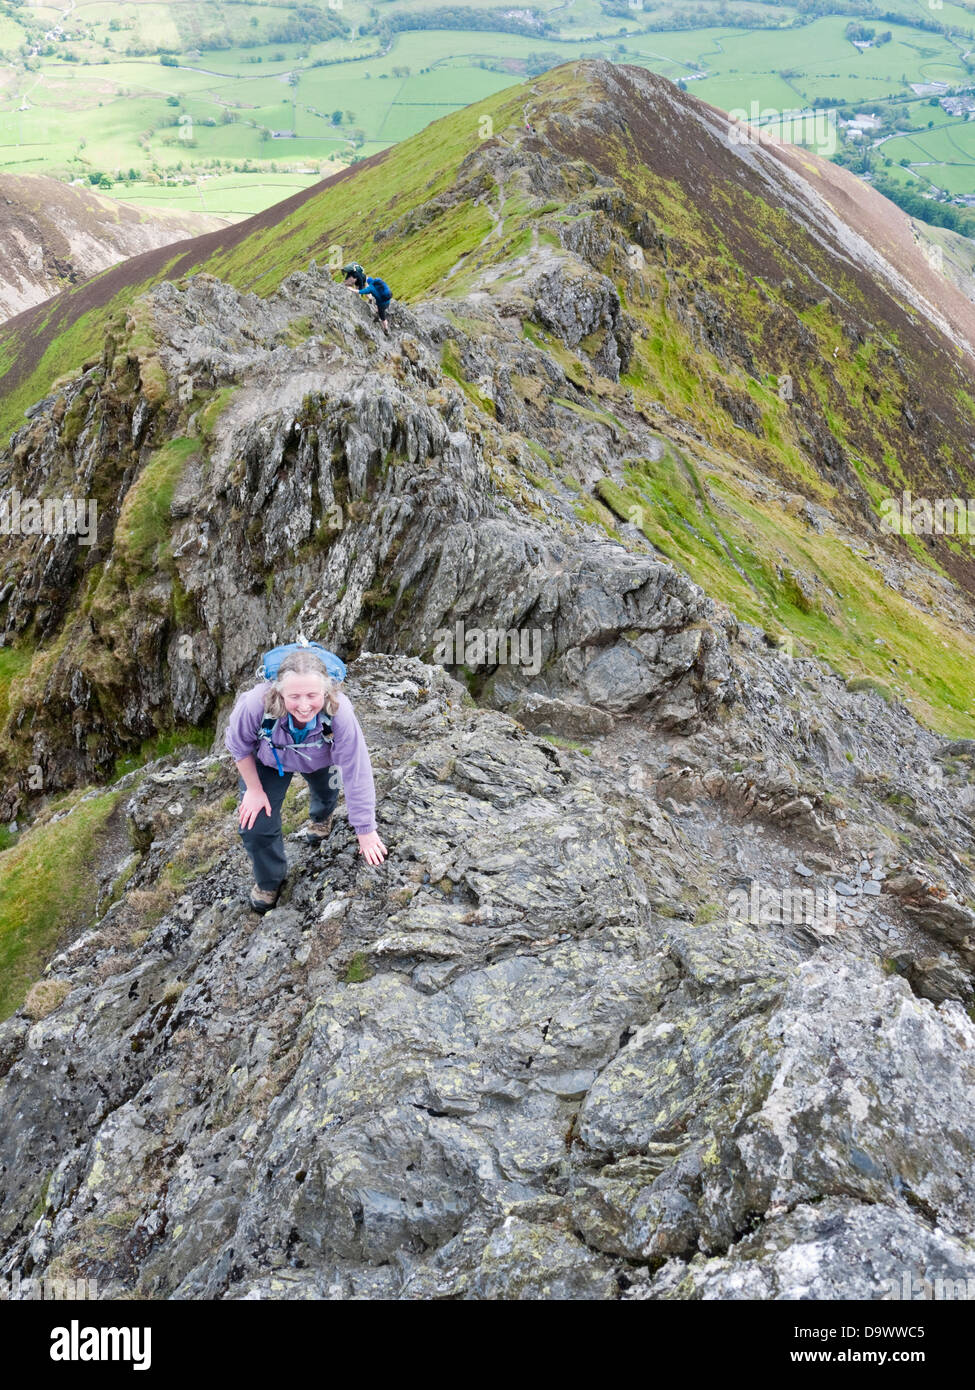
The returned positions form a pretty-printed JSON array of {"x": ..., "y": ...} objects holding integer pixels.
[
  {"x": 264, "y": 1042},
  {"x": 934, "y": 908},
  {"x": 853, "y": 1081},
  {"x": 957, "y": 748},
  {"x": 938, "y": 979},
  {"x": 584, "y": 308},
  {"x": 629, "y": 1210},
  {"x": 523, "y": 1260},
  {"x": 559, "y": 717},
  {"x": 534, "y": 1042},
  {"x": 839, "y": 1249},
  {"x": 363, "y": 486}
]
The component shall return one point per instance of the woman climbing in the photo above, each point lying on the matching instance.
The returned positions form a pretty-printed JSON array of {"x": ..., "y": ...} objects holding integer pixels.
[
  {"x": 363, "y": 284},
  {"x": 298, "y": 720}
]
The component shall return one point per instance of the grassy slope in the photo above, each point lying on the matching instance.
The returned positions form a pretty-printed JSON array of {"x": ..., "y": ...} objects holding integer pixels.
[
  {"x": 12, "y": 663},
  {"x": 772, "y": 571},
  {"x": 46, "y": 885}
]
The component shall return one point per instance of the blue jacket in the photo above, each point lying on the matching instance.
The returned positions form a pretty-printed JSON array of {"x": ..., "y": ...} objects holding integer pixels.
[{"x": 379, "y": 290}]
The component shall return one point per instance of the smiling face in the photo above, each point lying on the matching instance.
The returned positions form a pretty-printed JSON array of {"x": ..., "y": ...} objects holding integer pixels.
[{"x": 303, "y": 695}]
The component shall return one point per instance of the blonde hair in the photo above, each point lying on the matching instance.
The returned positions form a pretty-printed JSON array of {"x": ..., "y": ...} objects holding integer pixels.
[{"x": 301, "y": 664}]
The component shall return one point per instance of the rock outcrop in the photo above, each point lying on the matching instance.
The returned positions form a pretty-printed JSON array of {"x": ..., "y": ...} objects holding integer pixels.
[
  {"x": 325, "y": 486},
  {"x": 537, "y": 1054}
]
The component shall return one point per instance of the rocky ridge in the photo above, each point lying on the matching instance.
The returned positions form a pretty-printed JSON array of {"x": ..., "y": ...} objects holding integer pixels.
[
  {"x": 665, "y": 990},
  {"x": 536, "y": 1054},
  {"x": 342, "y": 485}
]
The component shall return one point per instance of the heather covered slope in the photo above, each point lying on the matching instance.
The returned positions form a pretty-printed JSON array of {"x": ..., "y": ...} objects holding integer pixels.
[{"x": 54, "y": 235}]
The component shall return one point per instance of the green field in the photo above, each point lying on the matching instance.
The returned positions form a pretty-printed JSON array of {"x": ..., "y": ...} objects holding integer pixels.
[
  {"x": 239, "y": 194},
  {"x": 944, "y": 156},
  {"x": 261, "y": 85}
]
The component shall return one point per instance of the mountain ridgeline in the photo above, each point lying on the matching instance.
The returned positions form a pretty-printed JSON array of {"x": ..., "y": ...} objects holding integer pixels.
[
  {"x": 764, "y": 317},
  {"x": 650, "y": 396}
]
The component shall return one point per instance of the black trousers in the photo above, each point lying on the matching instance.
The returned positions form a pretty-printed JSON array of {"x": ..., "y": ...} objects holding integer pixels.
[{"x": 264, "y": 841}]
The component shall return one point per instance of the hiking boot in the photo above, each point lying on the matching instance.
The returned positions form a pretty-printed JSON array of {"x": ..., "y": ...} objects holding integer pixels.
[
  {"x": 263, "y": 899},
  {"x": 318, "y": 830}
]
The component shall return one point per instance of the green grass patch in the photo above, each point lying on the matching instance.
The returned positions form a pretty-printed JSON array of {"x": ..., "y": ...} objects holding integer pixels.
[
  {"x": 451, "y": 366},
  {"x": 210, "y": 413},
  {"x": 598, "y": 417},
  {"x": 47, "y": 886},
  {"x": 14, "y": 662},
  {"x": 163, "y": 746},
  {"x": 144, "y": 519},
  {"x": 358, "y": 970},
  {"x": 568, "y": 744},
  {"x": 767, "y": 566}
]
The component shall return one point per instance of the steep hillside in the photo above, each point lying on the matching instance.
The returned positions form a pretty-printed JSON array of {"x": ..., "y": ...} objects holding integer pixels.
[
  {"x": 666, "y": 988},
  {"x": 751, "y": 377},
  {"x": 54, "y": 235}
]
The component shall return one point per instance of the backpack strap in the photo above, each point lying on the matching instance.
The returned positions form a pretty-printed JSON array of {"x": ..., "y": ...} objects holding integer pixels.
[{"x": 267, "y": 729}]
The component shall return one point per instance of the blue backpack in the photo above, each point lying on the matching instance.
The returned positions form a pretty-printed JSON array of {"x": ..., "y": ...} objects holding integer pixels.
[
  {"x": 268, "y": 670},
  {"x": 271, "y": 661}
]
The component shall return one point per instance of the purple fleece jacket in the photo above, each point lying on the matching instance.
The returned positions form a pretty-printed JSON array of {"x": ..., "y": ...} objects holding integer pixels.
[{"x": 348, "y": 751}]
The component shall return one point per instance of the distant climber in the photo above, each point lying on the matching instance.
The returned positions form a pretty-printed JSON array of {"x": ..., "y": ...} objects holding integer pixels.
[
  {"x": 357, "y": 279},
  {"x": 297, "y": 720}
]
